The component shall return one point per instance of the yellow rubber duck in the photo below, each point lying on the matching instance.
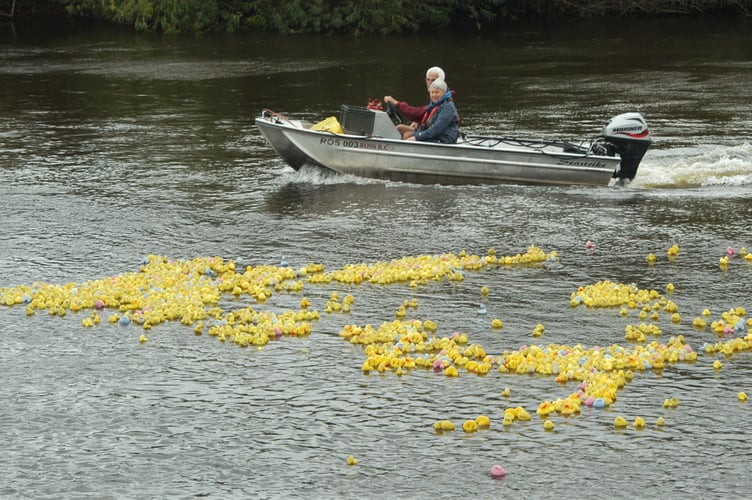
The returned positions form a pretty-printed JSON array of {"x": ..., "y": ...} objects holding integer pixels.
[
  {"x": 142, "y": 339},
  {"x": 639, "y": 423},
  {"x": 620, "y": 422},
  {"x": 660, "y": 421},
  {"x": 506, "y": 392},
  {"x": 470, "y": 426},
  {"x": 351, "y": 460},
  {"x": 483, "y": 422},
  {"x": 443, "y": 425},
  {"x": 742, "y": 396},
  {"x": 670, "y": 403},
  {"x": 548, "y": 425}
]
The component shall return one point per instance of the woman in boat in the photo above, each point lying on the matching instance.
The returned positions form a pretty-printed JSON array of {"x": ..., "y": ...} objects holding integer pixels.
[
  {"x": 415, "y": 113},
  {"x": 439, "y": 121}
]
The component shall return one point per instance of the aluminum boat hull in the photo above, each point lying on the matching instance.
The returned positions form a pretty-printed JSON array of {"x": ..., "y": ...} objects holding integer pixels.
[{"x": 432, "y": 163}]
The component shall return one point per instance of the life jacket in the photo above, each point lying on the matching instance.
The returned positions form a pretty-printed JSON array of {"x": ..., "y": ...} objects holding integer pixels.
[{"x": 433, "y": 107}]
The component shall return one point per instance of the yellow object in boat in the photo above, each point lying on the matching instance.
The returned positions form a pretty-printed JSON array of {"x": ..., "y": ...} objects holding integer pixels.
[{"x": 330, "y": 124}]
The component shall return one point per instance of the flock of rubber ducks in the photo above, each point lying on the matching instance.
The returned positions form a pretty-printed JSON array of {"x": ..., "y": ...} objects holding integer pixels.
[{"x": 190, "y": 292}]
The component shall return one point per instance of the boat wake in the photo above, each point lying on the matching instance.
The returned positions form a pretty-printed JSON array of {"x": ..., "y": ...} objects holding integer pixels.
[
  {"x": 688, "y": 168},
  {"x": 312, "y": 174}
]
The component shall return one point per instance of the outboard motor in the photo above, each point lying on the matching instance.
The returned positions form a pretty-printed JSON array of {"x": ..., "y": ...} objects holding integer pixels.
[{"x": 628, "y": 135}]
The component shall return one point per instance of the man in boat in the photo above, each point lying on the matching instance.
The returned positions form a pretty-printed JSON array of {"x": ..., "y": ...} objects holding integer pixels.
[
  {"x": 439, "y": 122},
  {"x": 415, "y": 113}
]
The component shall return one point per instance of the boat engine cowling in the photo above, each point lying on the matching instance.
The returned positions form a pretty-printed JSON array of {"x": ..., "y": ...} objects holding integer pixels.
[{"x": 628, "y": 135}]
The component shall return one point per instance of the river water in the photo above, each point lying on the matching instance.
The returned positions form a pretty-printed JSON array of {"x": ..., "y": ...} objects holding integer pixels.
[{"x": 115, "y": 146}]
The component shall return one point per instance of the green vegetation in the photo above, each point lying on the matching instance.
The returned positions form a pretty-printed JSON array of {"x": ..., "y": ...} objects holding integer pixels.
[{"x": 355, "y": 17}]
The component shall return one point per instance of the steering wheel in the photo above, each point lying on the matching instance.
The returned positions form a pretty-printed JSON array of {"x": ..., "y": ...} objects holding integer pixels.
[{"x": 394, "y": 114}]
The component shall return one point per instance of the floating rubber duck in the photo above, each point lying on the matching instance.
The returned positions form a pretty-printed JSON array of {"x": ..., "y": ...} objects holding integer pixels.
[
  {"x": 660, "y": 421},
  {"x": 717, "y": 365},
  {"x": 351, "y": 460},
  {"x": 620, "y": 422},
  {"x": 142, "y": 339},
  {"x": 484, "y": 290},
  {"x": 483, "y": 422},
  {"x": 742, "y": 396},
  {"x": 482, "y": 309},
  {"x": 497, "y": 324},
  {"x": 548, "y": 425},
  {"x": 497, "y": 471},
  {"x": 589, "y": 246},
  {"x": 639, "y": 423},
  {"x": 443, "y": 425},
  {"x": 670, "y": 403},
  {"x": 731, "y": 251},
  {"x": 506, "y": 392},
  {"x": 538, "y": 330},
  {"x": 650, "y": 258},
  {"x": 673, "y": 251},
  {"x": 470, "y": 426}
]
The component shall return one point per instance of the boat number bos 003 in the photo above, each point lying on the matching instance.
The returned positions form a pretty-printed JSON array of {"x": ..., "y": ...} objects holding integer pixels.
[{"x": 351, "y": 143}]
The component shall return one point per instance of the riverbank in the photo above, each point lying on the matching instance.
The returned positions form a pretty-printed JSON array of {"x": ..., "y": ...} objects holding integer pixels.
[{"x": 354, "y": 17}]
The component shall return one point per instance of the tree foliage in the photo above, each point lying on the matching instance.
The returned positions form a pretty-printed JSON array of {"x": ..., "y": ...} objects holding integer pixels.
[{"x": 360, "y": 17}]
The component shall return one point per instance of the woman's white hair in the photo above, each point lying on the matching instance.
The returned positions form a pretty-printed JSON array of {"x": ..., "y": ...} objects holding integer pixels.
[
  {"x": 439, "y": 84},
  {"x": 436, "y": 70}
]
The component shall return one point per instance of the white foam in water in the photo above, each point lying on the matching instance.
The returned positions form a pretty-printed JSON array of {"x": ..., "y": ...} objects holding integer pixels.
[
  {"x": 310, "y": 174},
  {"x": 690, "y": 167}
]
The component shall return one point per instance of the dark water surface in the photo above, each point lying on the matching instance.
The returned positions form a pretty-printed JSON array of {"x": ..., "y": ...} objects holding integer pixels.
[{"x": 114, "y": 146}]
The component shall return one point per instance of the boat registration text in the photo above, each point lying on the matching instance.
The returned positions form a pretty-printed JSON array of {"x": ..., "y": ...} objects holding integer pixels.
[{"x": 352, "y": 143}]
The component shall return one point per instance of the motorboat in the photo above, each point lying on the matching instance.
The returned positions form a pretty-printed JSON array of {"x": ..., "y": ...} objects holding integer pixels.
[{"x": 365, "y": 142}]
